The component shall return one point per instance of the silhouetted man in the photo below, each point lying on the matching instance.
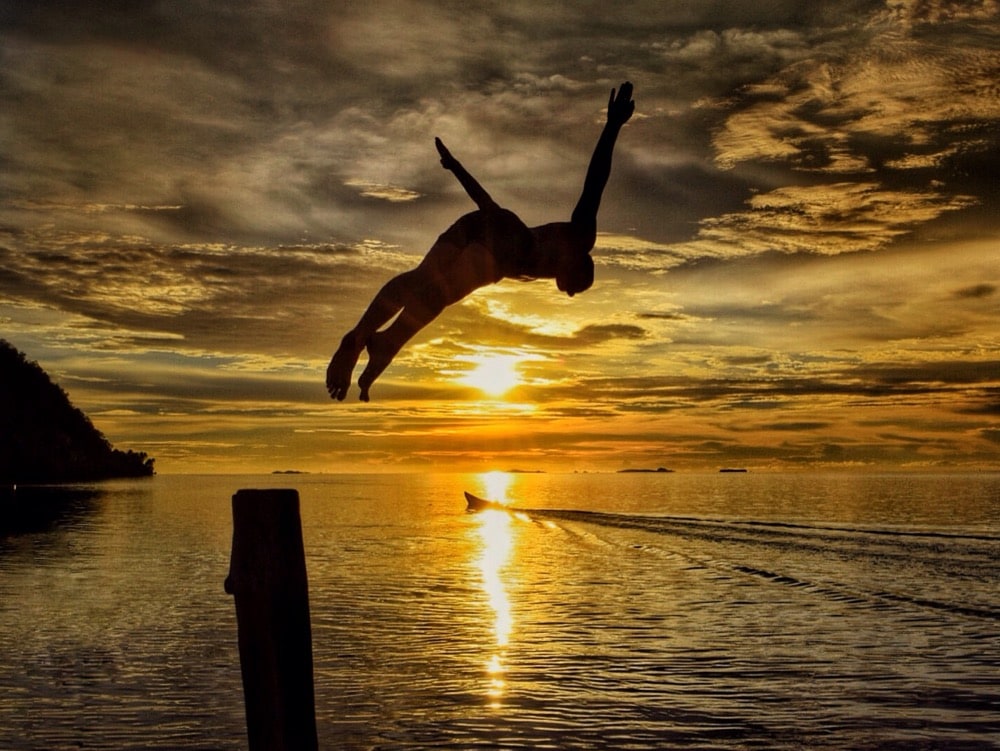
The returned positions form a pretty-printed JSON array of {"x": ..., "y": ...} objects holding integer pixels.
[{"x": 481, "y": 248}]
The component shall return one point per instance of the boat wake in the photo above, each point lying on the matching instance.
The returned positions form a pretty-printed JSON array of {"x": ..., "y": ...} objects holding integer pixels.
[{"x": 886, "y": 568}]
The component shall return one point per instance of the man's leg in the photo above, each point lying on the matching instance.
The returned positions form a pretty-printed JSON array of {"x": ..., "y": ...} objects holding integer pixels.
[
  {"x": 338, "y": 372},
  {"x": 387, "y": 303},
  {"x": 383, "y": 346},
  {"x": 447, "y": 274}
]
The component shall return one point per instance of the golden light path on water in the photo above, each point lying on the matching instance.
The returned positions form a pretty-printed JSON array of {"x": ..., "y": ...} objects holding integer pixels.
[{"x": 497, "y": 540}]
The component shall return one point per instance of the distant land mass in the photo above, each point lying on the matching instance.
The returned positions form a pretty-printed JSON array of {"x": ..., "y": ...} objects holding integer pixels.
[
  {"x": 45, "y": 439},
  {"x": 630, "y": 471}
]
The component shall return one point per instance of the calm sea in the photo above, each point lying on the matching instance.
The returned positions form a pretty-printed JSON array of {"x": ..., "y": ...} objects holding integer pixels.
[{"x": 638, "y": 611}]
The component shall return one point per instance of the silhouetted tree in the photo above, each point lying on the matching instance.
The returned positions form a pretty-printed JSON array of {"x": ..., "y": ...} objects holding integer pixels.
[{"x": 44, "y": 438}]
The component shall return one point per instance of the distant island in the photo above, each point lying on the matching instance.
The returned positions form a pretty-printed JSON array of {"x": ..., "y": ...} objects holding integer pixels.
[
  {"x": 658, "y": 469},
  {"x": 733, "y": 469},
  {"x": 45, "y": 439}
]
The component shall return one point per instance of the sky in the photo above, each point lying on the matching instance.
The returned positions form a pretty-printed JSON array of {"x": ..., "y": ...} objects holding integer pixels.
[{"x": 797, "y": 264}]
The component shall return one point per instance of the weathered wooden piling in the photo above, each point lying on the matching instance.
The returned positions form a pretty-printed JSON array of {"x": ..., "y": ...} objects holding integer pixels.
[{"x": 267, "y": 576}]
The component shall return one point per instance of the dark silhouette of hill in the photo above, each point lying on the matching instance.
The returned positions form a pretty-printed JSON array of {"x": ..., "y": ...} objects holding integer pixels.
[{"x": 45, "y": 439}]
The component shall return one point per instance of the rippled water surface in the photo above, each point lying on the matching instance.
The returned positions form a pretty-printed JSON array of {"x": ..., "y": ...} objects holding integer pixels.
[{"x": 635, "y": 611}]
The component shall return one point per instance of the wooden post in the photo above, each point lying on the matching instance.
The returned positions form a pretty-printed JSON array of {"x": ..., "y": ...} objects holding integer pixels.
[{"x": 267, "y": 576}]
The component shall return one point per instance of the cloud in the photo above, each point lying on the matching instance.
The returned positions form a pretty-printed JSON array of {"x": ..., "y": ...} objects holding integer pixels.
[
  {"x": 976, "y": 291},
  {"x": 826, "y": 219},
  {"x": 849, "y": 113},
  {"x": 911, "y": 13},
  {"x": 795, "y": 427},
  {"x": 846, "y": 302},
  {"x": 391, "y": 193},
  {"x": 853, "y": 113},
  {"x": 199, "y": 293},
  {"x": 594, "y": 334}
]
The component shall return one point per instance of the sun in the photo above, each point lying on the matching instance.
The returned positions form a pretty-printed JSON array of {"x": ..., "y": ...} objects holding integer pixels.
[{"x": 494, "y": 375}]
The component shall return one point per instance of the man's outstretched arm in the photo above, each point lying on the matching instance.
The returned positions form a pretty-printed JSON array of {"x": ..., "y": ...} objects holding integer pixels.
[
  {"x": 476, "y": 191},
  {"x": 620, "y": 109}
]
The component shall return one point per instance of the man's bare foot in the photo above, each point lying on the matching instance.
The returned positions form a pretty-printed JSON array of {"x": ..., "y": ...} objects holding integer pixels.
[
  {"x": 380, "y": 354},
  {"x": 338, "y": 372}
]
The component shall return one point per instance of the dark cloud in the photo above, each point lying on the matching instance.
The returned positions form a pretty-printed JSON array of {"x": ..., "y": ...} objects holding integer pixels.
[
  {"x": 747, "y": 359},
  {"x": 795, "y": 427},
  {"x": 976, "y": 291},
  {"x": 863, "y": 381},
  {"x": 950, "y": 372},
  {"x": 598, "y": 333}
]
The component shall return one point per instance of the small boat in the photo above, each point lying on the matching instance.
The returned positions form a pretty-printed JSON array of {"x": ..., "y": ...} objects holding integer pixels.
[{"x": 475, "y": 503}]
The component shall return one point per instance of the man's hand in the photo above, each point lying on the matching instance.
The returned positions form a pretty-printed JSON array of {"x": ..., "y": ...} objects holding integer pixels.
[
  {"x": 447, "y": 160},
  {"x": 620, "y": 107}
]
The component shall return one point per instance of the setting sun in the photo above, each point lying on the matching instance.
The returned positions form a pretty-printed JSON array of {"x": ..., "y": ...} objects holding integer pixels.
[{"x": 494, "y": 375}]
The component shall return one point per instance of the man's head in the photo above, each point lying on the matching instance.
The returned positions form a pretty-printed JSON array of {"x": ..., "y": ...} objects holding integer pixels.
[
  {"x": 562, "y": 250},
  {"x": 575, "y": 273}
]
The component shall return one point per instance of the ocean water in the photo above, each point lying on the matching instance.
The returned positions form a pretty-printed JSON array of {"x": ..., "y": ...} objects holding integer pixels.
[{"x": 628, "y": 611}]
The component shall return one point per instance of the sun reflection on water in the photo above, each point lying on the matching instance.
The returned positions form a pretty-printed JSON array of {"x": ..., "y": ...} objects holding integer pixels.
[{"x": 496, "y": 533}]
